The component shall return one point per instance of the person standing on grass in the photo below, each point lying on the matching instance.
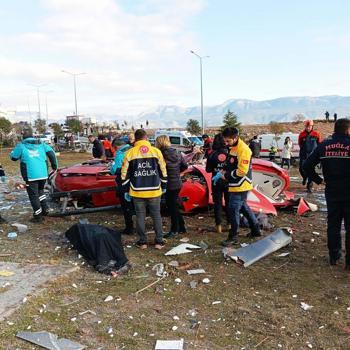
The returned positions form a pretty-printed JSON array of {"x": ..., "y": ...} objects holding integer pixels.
[
  {"x": 175, "y": 164},
  {"x": 327, "y": 116},
  {"x": 144, "y": 178},
  {"x": 287, "y": 152},
  {"x": 255, "y": 146},
  {"x": 215, "y": 163},
  {"x": 334, "y": 156},
  {"x": 121, "y": 148},
  {"x": 97, "y": 148},
  {"x": 308, "y": 140},
  {"x": 238, "y": 173},
  {"x": 33, "y": 154}
]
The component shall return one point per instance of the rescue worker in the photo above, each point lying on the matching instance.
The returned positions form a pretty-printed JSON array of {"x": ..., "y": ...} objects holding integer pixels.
[
  {"x": 175, "y": 164},
  {"x": 272, "y": 153},
  {"x": 327, "y": 116},
  {"x": 207, "y": 147},
  {"x": 32, "y": 154},
  {"x": 97, "y": 148},
  {"x": 216, "y": 163},
  {"x": 238, "y": 173},
  {"x": 109, "y": 150},
  {"x": 334, "y": 156},
  {"x": 255, "y": 146},
  {"x": 144, "y": 179},
  {"x": 121, "y": 148},
  {"x": 308, "y": 140}
]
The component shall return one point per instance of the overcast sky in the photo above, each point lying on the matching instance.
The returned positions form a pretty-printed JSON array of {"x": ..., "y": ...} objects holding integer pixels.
[{"x": 137, "y": 53}]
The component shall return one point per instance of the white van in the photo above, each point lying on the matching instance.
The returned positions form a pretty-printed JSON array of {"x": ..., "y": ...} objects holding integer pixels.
[
  {"x": 269, "y": 140},
  {"x": 180, "y": 139}
]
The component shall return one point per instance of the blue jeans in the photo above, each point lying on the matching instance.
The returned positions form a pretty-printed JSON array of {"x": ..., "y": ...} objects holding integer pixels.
[{"x": 238, "y": 204}]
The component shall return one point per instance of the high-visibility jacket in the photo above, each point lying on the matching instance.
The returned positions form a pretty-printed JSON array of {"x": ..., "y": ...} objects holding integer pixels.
[
  {"x": 143, "y": 172},
  {"x": 239, "y": 168},
  {"x": 33, "y": 154}
]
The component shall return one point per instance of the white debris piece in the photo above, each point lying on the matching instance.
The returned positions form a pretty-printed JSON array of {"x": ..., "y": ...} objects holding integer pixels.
[
  {"x": 21, "y": 228},
  {"x": 74, "y": 286},
  {"x": 315, "y": 233},
  {"x": 176, "y": 318},
  {"x": 182, "y": 248},
  {"x": 135, "y": 334},
  {"x": 178, "y": 280},
  {"x": 216, "y": 302},
  {"x": 206, "y": 280},
  {"x": 109, "y": 298},
  {"x": 195, "y": 272},
  {"x": 73, "y": 319},
  {"x": 244, "y": 245},
  {"x": 173, "y": 263},
  {"x": 174, "y": 328},
  {"x": 160, "y": 270},
  {"x": 184, "y": 240},
  {"x": 282, "y": 255},
  {"x": 170, "y": 345},
  {"x": 294, "y": 296},
  {"x": 305, "y": 306}
]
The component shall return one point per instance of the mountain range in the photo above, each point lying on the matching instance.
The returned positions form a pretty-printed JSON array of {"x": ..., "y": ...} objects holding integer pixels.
[{"x": 282, "y": 109}]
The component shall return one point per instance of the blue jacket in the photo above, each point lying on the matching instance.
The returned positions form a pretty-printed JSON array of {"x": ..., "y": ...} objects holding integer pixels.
[
  {"x": 32, "y": 154},
  {"x": 118, "y": 160}
]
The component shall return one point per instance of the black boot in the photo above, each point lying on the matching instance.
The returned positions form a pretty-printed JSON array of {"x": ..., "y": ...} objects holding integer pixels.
[
  {"x": 231, "y": 240},
  {"x": 334, "y": 257}
]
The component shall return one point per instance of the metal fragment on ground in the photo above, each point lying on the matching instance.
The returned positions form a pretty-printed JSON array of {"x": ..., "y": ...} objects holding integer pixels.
[
  {"x": 160, "y": 270},
  {"x": 169, "y": 345},
  {"x": 183, "y": 248},
  {"x": 49, "y": 341},
  {"x": 20, "y": 227},
  {"x": 195, "y": 272},
  {"x": 193, "y": 284},
  {"x": 247, "y": 256}
]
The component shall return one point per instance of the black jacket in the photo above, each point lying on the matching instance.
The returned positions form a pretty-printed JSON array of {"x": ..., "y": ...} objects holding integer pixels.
[
  {"x": 217, "y": 161},
  {"x": 175, "y": 164},
  {"x": 255, "y": 147},
  {"x": 97, "y": 149},
  {"x": 334, "y": 155}
]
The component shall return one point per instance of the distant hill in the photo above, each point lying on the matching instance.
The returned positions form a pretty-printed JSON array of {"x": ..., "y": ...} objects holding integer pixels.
[{"x": 281, "y": 109}]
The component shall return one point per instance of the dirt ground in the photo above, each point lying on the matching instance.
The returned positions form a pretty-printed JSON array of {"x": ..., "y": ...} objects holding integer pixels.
[{"x": 260, "y": 306}]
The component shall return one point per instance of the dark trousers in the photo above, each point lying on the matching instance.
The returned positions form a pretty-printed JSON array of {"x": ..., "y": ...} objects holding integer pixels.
[
  {"x": 285, "y": 161},
  {"x": 302, "y": 172},
  {"x": 153, "y": 205},
  {"x": 238, "y": 204},
  {"x": 337, "y": 212},
  {"x": 220, "y": 192},
  {"x": 127, "y": 209},
  {"x": 177, "y": 221},
  {"x": 35, "y": 190}
]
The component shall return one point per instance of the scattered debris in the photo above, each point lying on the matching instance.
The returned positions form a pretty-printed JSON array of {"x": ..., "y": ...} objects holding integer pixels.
[
  {"x": 247, "y": 256},
  {"x": 160, "y": 271},
  {"x": 169, "y": 345},
  {"x": 206, "y": 280},
  {"x": 176, "y": 318},
  {"x": 12, "y": 235},
  {"x": 244, "y": 245},
  {"x": 174, "y": 328},
  {"x": 20, "y": 227},
  {"x": 87, "y": 312},
  {"x": 282, "y": 255},
  {"x": 182, "y": 249},
  {"x": 203, "y": 245},
  {"x": 109, "y": 298},
  {"x": 315, "y": 233},
  {"x": 149, "y": 285},
  {"x": 173, "y": 263},
  {"x": 184, "y": 240},
  {"x": 195, "y": 272},
  {"x": 305, "y": 306},
  {"x": 178, "y": 280},
  {"x": 6, "y": 273},
  {"x": 305, "y": 206},
  {"x": 193, "y": 284},
  {"x": 49, "y": 341},
  {"x": 216, "y": 302}
]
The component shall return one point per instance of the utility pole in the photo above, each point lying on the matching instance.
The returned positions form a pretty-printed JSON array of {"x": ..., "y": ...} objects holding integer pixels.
[{"x": 201, "y": 81}]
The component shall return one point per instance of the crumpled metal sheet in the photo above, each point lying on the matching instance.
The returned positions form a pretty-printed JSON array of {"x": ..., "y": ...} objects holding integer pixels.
[
  {"x": 250, "y": 254},
  {"x": 182, "y": 249},
  {"x": 49, "y": 341}
]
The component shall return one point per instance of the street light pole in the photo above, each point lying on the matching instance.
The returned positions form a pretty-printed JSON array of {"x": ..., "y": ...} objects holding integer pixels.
[
  {"x": 75, "y": 88},
  {"x": 201, "y": 79}
]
